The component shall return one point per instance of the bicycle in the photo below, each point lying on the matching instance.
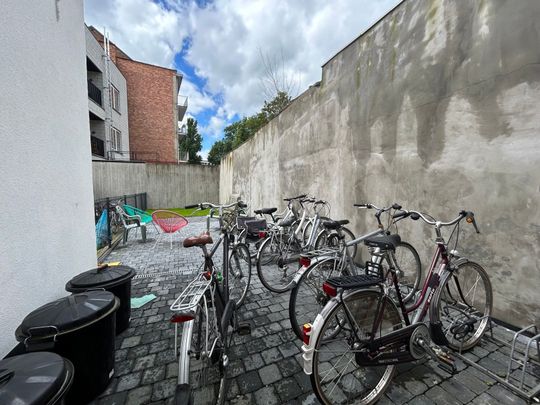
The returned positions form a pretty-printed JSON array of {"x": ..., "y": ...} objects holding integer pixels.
[
  {"x": 206, "y": 309},
  {"x": 307, "y": 297},
  {"x": 283, "y": 246},
  {"x": 376, "y": 333}
]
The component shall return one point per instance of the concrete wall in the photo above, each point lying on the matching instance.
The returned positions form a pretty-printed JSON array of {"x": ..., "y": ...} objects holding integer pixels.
[
  {"x": 46, "y": 198},
  {"x": 167, "y": 185},
  {"x": 437, "y": 107}
]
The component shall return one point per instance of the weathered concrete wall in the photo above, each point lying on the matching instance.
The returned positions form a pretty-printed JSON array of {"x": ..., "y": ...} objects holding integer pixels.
[
  {"x": 436, "y": 107},
  {"x": 168, "y": 186}
]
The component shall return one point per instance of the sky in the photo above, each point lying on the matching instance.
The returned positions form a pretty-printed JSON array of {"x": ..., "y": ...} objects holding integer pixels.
[{"x": 219, "y": 46}]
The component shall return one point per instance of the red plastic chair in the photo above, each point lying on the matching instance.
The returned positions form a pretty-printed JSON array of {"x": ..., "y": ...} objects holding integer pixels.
[{"x": 168, "y": 222}]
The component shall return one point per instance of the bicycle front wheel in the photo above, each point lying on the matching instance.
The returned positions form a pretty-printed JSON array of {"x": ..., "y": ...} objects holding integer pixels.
[
  {"x": 202, "y": 367},
  {"x": 463, "y": 305},
  {"x": 307, "y": 297},
  {"x": 337, "y": 377},
  {"x": 239, "y": 273},
  {"x": 277, "y": 263},
  {"x": 408, "y": 268}
]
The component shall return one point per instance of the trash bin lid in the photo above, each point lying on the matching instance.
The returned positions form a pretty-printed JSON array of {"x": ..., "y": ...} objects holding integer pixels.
[
  {"x": 101, "y": 277},
  {"x": 32, "y": 378},
  {"x": 66, "y": 314}
]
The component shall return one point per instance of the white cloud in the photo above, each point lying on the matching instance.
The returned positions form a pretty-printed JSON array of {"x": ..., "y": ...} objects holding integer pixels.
[
  {"x": 215, "y": 127},
  {"x": 141, "y": 28},
  {"x": 227, "y": 37}
]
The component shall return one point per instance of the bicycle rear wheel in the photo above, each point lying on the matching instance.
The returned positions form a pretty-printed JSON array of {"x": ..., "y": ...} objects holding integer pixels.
[
  {"x": 239, "y": 273},
  {"x": 463, "y": 304},
  {"x": 336, "y": 377},
  {"x": 277, "y": 263}
]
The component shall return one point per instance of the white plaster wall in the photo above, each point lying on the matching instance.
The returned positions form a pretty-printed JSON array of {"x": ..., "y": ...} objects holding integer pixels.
[{"x": 46, "y": 198}]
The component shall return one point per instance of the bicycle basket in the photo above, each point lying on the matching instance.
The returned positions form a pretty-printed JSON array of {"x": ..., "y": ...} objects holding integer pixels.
[
  {"x": 241, "y": 221},
  {"x": 256, "y": 226}
]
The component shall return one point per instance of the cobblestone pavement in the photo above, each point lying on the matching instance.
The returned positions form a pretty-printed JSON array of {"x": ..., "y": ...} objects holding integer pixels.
[{"x": 266, "y": 367}]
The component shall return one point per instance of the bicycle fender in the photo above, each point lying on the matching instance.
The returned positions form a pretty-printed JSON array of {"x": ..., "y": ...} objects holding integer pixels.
[
  {"x": 303, "y": 269},
  {"x": 308, "y": 349},
  {"x": 460, "y": 261}
]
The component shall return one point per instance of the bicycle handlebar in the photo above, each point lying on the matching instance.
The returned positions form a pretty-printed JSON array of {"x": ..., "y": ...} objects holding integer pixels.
[
  {"x": 415, "y": 215},
  {"x": 204, "y": 205}
]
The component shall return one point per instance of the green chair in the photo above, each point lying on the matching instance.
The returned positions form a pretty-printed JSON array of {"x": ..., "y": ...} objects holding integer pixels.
[{"x": 146, "y": 218}]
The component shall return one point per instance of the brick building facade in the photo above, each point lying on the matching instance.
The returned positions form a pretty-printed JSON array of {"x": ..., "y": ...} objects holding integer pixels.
[{"x": 154, "y": 112}]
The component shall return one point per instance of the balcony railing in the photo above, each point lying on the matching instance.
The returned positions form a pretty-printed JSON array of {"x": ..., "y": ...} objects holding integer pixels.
[
  {"x": 182, "y": 107},
  {"x": 94, "y": 93},
  {"x": 133, "y": 155},
  {"x": 183, "y": 156}
]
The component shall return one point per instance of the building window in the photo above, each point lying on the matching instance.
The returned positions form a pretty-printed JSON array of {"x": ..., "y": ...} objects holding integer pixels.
[
  {"x": 115, "y": 98},
  {"x": 116, "y": 139}
]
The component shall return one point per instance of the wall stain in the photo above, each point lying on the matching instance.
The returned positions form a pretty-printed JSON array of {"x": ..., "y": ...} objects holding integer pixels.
[{"x": 57, "y": 9}]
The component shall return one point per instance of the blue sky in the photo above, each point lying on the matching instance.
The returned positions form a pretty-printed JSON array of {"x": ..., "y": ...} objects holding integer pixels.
[{"x": 219, "y": 45}]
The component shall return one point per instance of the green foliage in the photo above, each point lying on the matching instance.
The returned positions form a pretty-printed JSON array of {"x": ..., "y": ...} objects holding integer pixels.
[
  {"x": 279, "y": 103},
  {"x": 239, "y": 132},
  {"x": 192, "y": 142}
]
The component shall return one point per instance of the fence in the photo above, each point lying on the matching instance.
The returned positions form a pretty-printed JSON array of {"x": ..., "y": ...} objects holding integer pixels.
[{"x": 135, "y": 200}]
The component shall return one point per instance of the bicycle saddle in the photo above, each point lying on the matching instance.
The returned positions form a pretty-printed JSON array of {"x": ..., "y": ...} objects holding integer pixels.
[
  {"x": 335, "y": 224},
  {"x": 202, "y": 239},
  {"x": 383, "y": 241},
  {"x": 265, "y": 211}
]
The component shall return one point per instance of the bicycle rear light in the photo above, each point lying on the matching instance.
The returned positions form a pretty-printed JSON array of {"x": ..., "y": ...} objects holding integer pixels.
[
  {"x": 304, "y": 261},
  {"x": 179, "y": 318},
  {"x": 306, "y": 331},
  {"x": 262, "y": 234},
  {"x": 207, "y": 275},
  {"x": 329, "y": 290}
]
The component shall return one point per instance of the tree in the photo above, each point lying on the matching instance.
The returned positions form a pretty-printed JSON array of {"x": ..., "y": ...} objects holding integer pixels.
[
  {"x": 216, "y": 153},
  {"x": 273, "y": 108},
  {"x": 192, "y": 142}
]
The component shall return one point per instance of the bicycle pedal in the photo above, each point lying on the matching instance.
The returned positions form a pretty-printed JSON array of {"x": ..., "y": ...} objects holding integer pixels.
[
  {"x": 243, "y": 328},
  {"x": 450, "y": 368}
]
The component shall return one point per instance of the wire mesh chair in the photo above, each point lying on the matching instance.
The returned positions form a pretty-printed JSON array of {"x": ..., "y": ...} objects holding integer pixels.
[
  {"x": 146, "y": 218},
  {"x": 168, "y": 222}
]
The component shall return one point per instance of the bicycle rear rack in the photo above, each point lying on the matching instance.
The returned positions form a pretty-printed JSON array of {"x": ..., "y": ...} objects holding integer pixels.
[
  {"x": 190, "y": 297},
  {"x": 521, "y": 352}
]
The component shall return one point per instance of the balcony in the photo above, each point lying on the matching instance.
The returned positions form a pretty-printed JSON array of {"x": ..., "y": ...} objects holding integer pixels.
[
  {"x": 183, "y": 156},
  {"x": 182, "y": 107},
  {"x": 94, "y": 93},
  {"x": 98, "y": 146}
]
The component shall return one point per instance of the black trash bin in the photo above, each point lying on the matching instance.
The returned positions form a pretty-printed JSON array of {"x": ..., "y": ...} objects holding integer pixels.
[
  {"x": 116, "y": 279},
  {"x": 35, "y": 379},
  {"x": 81, "y": 328}
]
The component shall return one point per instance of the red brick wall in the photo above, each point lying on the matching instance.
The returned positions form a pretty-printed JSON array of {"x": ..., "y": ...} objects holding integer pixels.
[{"x": 151, "y": 109}]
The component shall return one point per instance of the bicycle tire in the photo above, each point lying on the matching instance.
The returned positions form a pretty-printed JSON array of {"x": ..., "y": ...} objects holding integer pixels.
[
  {"x": 409, "y": 269},
  {"x": 463, "y": 296},
  {"x": 275, "y": 265},
  {"x": 361, "y": 385},
  {"x": 307, "y": 297},
  {"x": 239, "y": 273},
  {"x": 205, "y": 374}
]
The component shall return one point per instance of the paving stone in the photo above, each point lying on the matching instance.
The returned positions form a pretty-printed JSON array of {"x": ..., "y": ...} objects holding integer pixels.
[
  {"x": 288, "y": 349},
  {"x": 303, "y": 381},
  {"x": 129, "y": 381},
  {"x": 440, "y": 396},
  {"x": 144, "y": 362},
  {"x": 504, "y": 396},
  {"x": 164, "y": 389},
  {"x": 288, "y": 389},
  {"x": 245, "y": 399},
  {"x": 288, "y": 366},
  {"x": 249, "y": 382},
  {"x": 120, "y": 354},
  {"x": 255, "y": 361},
  {"x": 421, "y": 400},
  {"x": 269, "y": 374},
  {"x": 266, "y": 395},
  {"x": 236, "y": 368},
  {"x": 123, "y": 367},
  {"x": 153, "y": 375},
  {"x": 131, "y": 342},
  {"x": 116, "y": 399},
  {"x": 472, "y": 382},
  {"x": 139, "y": 396},
  {"x": 160, "y": 346},
  {"x": 458, "y": 390},
  {"x": 398, "y": 394},
  {"x": 271, "y": 355},
  {"x": 308, "y": 399}
]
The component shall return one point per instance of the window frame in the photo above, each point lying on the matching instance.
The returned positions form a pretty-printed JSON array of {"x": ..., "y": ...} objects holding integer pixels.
[
  {"x": 116, "y": 139},
  {"x": 115, "y": 98}
]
